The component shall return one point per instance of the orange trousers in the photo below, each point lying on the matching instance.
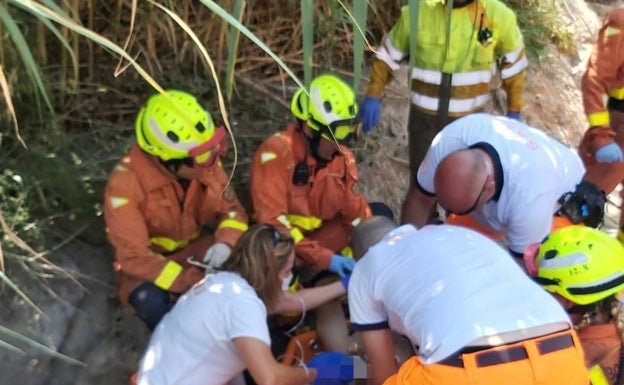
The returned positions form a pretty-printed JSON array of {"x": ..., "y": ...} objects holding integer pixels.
[{"x": 561, "y": 367}]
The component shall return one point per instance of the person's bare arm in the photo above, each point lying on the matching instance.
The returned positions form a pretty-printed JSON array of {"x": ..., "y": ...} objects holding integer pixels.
[
  {"x": 416, "y": 207},
  {"x": 380, "y": 351},
  {"x": 311, "y": 298},
  {"x": 263, "y": 367}
]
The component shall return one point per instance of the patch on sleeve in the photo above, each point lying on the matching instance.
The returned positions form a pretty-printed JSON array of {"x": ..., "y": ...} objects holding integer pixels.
[
  {"x": 229, "y": 195},
  {"x": 117, "y": 202},
  {"x": 612, "y": 31},
  {"x": 267, "y": 156},
  {"x": 355, "y": 188}
]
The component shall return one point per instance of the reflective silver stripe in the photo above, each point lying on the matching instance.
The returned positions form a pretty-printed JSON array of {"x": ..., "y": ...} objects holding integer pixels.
[
  {"x": 512, "y": 57},
  {"x": 612, "y": 277},
  {"x": 515, "y": 69},
  {"x": 455, "y": 105},
  {"x": 389, "y": 55},
  {"x": 458, "y": 79},
  {"x": 394, "y": 53},
  {"x": 563, "y": 261}
]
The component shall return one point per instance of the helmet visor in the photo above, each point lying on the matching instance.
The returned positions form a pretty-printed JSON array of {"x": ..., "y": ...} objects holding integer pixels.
[
  {"x": 206, "y": 154},
  {"x": 340, "y": 130}
]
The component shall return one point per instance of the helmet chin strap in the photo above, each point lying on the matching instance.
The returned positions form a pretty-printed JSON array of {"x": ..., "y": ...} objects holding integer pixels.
[{"x": 314, "y": 140}]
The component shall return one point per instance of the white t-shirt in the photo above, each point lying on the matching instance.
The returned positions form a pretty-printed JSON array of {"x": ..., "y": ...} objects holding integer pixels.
[
  {"x": 444, "y": 287},
  {"x": 192, "y": 345},
  {"x": 536, "y": 171}
]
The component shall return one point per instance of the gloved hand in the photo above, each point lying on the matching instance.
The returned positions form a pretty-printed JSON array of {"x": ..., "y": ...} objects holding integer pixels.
[
  {"x": 609, "y": 153},
  {"x": 370, "y": 111},
  {"x": 333, "y": 368},
  {"x": 341, "y": 265},
  {"x": 217, "y": 254},
  {"x": 345, "y": 281},
  {"x": 514, "y": 116}
]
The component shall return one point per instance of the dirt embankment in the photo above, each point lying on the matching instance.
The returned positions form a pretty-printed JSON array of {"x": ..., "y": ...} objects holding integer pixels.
[{"x": 84, "y": 320}]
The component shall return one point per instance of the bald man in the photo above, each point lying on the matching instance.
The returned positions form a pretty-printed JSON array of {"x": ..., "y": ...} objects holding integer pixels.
[
  {"x": 501, "y": 177},
  {"x": 473, "y": 315}
]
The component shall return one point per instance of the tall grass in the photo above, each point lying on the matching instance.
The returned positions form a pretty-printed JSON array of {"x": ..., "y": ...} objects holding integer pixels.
[{"x": 80, "y": 68}]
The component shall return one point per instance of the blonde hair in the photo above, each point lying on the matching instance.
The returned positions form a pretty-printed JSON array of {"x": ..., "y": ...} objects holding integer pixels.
[{"x": 258, "y": 256}]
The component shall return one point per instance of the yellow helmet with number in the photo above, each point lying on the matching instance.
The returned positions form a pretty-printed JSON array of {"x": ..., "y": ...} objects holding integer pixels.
[
  {"x": 175, "y": 126},
  {"x": 581, "y": 264}
]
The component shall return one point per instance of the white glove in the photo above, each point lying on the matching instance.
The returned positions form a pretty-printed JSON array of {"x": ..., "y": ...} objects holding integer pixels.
[{"x": 217, "y": 254}]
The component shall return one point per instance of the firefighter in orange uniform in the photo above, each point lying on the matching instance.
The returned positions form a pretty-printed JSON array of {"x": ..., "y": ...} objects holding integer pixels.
[
  {"x": 160, "y": 199},
  {"x": 602, "y": 87},
  {"x": 304, "y": 180}
]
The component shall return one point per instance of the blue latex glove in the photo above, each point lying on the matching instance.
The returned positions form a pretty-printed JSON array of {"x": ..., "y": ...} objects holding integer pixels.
[
  {"x": 333, "y": 368},
  {"x": 514, "y": 116},
  {"x": 341, "y": 265},
  {"x": 609, "y": 153},
  {"x": 345, "y": 281},
  {"x": 370, "y": 111}
]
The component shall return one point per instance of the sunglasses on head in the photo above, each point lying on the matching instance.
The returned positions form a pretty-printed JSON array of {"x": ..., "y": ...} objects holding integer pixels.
[{"x": 278, "y": 236}]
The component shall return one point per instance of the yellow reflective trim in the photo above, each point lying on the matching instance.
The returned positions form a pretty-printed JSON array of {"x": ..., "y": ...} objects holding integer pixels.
[
  {"x": 170, "y": 244},
  {"x": 612, "y": 31},
  {"x": 347, "y": 252},
  {"x": 598, "y": 119},
  {"x": 296, "y": 234},
  {"x": 267, "y": 156},
  {"x": 284, "y": 221},
  {"x": 305, "y": 223},
  {"x": 233, "y": 223},
  {"x": 117, "y": 202},
  {"x": 168, "y": 275},
  {"x": 617, "y": 93},
  {"x": 597, "y": 376}
]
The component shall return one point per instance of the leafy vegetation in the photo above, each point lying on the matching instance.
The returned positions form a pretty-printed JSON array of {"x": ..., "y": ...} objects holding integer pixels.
[{"x": 75, "y": 84}]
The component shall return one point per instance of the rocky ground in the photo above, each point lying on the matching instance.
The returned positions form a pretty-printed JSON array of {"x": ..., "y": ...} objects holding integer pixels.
[{"x": 82, "y": 317}]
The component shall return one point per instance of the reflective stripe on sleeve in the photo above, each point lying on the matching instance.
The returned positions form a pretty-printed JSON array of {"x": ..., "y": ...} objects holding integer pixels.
[
  {"x": 306, "y": 223},
  {"x": 515, "y": 69},
  {"x": 617, "y": 93},
  {"x": 597, "y": 376},
  {"x": 168, "y": 275},
  {"x": 296, "y": 234},
  {"x": 233, "y": 223},
  {"x": 598, "y": 119},
  {"x": 170, "y": 244}
]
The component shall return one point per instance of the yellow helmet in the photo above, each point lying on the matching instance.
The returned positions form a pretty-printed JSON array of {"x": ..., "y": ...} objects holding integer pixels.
[
  {"x": 330, "y": 108},
  {"x": 175, "y": 126},
  {"x": 581, "y": 264}
]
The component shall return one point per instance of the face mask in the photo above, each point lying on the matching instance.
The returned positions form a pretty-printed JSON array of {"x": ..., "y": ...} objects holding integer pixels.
[{"x": 286, "y": 281}]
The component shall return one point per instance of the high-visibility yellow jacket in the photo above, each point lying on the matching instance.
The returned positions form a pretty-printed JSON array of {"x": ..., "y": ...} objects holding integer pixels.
[
  {"x": 153, "y": 223},
  {"x": 482, "y": 33}
]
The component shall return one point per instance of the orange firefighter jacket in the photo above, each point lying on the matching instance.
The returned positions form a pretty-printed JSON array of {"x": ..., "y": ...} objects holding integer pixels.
[
  {"x": 601, "y": 344},
  {"x": 603, "y": 78},
  {"x": 331, "y": 192},
  {"x": 151, "y": 220}
]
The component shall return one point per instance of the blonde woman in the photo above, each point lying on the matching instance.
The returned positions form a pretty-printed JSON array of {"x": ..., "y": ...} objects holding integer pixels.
[
  {"x": 218, "y": 328},
  {"x": 584, "y": 269}
]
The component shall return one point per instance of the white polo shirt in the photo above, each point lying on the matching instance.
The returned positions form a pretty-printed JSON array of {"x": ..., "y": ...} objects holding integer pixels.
[
  {"x": 192, "y": 345},
  {"x": 444, "y": 287},
  {"x": 536, "y": 170}
]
